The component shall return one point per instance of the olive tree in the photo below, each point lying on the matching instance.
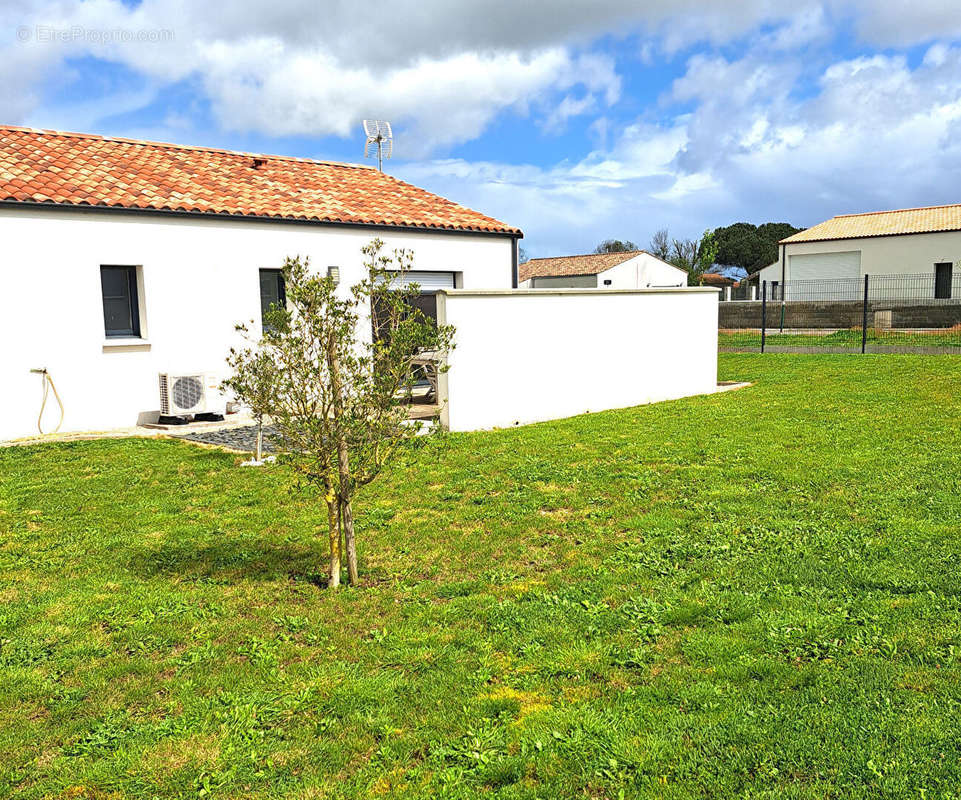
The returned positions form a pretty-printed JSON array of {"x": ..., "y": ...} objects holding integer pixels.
[
  {"x": 256, "y": 385},
  {"x": 337, "y": 366}
]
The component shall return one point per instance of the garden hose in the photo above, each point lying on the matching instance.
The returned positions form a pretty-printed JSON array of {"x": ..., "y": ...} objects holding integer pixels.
[{"x": 48, "y": 385}]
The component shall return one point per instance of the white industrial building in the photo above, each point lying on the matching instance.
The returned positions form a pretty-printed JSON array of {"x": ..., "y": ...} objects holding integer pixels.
[{"x": 919, "y": 243}]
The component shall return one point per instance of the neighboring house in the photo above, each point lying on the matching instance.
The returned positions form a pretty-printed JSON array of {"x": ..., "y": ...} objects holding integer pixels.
[
  {"x": 717, "y": 280},
  {"x": 122, "y": 259},
  {"x": 771, "y": 273},
  {"x": 920, "y": 242},
  {"x": 732, "y": 286},
  {"x": 729, "y": 271},
  {"x": 633, "y": 270}
]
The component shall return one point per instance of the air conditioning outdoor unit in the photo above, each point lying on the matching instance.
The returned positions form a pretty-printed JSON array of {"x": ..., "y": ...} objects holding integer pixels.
[{"x": 196, "y": 393}]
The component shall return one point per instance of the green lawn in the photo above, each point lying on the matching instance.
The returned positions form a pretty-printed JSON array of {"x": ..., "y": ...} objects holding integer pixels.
[
  {"x": 850, "y": 338},
  {"x": 752, "y": 594}
]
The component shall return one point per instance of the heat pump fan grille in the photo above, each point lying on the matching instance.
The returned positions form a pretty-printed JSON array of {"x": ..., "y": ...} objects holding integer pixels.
[{"x": 187, "y": 392}]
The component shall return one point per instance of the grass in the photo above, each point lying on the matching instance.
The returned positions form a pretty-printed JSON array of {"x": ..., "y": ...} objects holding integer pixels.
[
  {"x": 850, "y": 338},
  {"x": 750, "y": 594}
]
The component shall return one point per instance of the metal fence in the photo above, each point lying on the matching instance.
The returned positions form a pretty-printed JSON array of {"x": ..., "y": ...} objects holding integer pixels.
[
  {"x": 742, "y": 291},
  {"x": 889, "y": 313}
]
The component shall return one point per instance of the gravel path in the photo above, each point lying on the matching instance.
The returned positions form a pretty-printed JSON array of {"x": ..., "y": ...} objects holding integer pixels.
[{"x": 244, "y": 438}]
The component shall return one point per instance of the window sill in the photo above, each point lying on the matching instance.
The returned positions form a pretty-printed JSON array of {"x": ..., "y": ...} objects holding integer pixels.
[{"x": 126, "y": 343}]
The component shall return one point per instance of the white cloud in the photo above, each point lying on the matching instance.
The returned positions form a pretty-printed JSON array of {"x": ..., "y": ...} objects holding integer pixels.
[
  {"x": 903, "y": 22},
  {"x": 786, "y": 131},
  {"x": 569, "y": 107},
  {"x": 877, "y": 134},
  {"x": 443, "y": 68},
  {"x": 441, "y": 102},
  {"x": 686, "y": 185}
]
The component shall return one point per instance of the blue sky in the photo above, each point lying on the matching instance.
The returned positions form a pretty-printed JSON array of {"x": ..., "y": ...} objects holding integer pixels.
[{"x": 577, "y": 121}]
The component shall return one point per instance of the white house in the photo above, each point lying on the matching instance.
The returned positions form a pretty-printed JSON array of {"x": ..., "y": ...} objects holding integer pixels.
[
  {"x": 637, "y": 269},
  {"x": 913, "y": 250},
  {"x": 123, "y": 259}
]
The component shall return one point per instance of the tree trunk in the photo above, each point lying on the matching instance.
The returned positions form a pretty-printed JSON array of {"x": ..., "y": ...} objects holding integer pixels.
[
  {"x": 333, "y": 535},
  {"x": 349, "y": 541},
  {"x": 259, "y": 455},
  {"x": 343, "y": 459}
]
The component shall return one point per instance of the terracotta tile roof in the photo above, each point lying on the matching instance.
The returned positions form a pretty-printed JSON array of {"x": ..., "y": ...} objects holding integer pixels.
[
  {"x": 85, "y": 170},
  {"x": 883, "y": 223},
  {"x": 591, "y": 264},
  {"x": 716, "y": 279}
]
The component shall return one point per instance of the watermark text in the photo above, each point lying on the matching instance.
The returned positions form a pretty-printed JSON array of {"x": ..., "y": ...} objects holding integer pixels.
[{"x": 78, "y": 34}]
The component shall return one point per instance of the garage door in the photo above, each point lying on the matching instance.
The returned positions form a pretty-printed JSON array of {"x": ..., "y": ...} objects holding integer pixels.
[
  {"x": 837, "y": 274},
  {"x": 428, "y": 281}
]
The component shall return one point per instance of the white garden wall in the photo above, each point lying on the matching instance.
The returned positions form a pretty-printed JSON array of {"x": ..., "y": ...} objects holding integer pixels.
[
  {"x": 200, "y": 278},
  {"x": 528, "y": 356}
]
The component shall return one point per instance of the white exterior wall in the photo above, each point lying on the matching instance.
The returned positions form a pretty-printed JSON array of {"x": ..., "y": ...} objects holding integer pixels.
[
  {"x": 909, "y": 254},
  {"x": 200, "y": 278},
  {"x": 557, "y": 353},
  {"x": 772, "y": 272},
  {"x": 642, "y": 272},
  {"x": 847, "y": 261}
]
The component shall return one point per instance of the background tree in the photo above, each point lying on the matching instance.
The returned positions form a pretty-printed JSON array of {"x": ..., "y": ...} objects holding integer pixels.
[
  {"x": 705, "y": 256},
  {"x": 751, "y": 247},
  {"x": 521, "y": 255},
  {"x": 694, "y": 256},
  {"x": 683, "y": 253},
  {"x": 333, "y": 391},
  {"x": 616, "y": 246},
  {"x": 660, "y": 245}
]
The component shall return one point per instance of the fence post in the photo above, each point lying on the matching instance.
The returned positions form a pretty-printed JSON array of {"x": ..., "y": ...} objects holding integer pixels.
[
  {"x": 763, "y": 312},
  {"x": 864, "y": 318}
]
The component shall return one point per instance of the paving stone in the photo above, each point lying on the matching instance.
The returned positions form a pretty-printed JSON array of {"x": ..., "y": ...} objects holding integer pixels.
[{"x": 244, "y": 438}]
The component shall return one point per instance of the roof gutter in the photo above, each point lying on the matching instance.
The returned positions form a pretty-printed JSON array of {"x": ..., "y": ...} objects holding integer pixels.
[{"x": 87, "y": 209}]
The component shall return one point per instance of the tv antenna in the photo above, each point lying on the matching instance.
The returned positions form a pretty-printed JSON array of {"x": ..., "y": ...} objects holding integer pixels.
[{"x": 378, "y": 132}]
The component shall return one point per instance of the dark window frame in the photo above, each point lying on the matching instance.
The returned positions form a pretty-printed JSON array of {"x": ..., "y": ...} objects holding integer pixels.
[
  {"x": 424, "y": 301},
  {"x": 132, "y": 298},
  {"x": 943, "y": 278},
  {"x": 281, "y": 298}
]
